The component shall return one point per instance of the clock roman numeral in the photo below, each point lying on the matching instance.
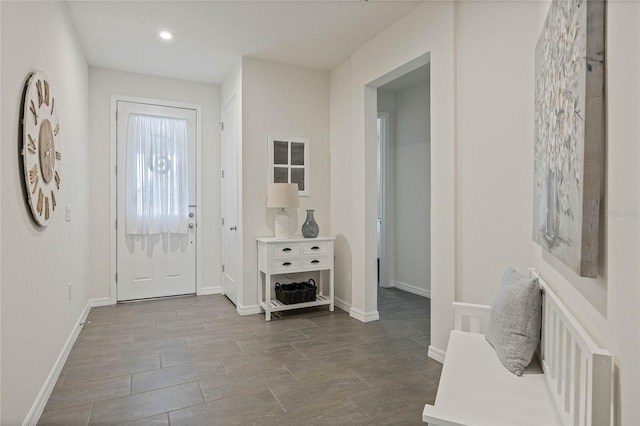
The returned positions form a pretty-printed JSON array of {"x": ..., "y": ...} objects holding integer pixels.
[
  {"x": 33, "y": 177},
  {"x": 40, "y": 202},
  {"x": 32, "y": 108},
  {"x": 31, "y": 144},
  {"x": 40, "y": 97},
  {"x": 53, "y": 104},
  {"x": 57, "y": 178},
  {"x": 46, "y": 92},
  {"x": 56, "y": 130},
  {"x": 58, "y": 155},
  {"x": 46, "y": 208},
  {"x": 53, "y": 201}
]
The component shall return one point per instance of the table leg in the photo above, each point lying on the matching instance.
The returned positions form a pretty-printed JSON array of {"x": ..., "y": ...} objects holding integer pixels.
[
  {"x": 259, "y": 290},
  {"x": 267, "y": 296},
  {"x": 331, "y": 295}
]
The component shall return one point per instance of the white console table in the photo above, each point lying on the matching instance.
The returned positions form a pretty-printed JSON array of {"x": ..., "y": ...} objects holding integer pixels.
[{"x": 292, "y": 256}]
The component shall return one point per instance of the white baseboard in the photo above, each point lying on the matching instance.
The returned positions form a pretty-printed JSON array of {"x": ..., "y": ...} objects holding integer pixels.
[
  {"x": 339, "y": 303},
  {"x": 101, "y": 301},
  {"x": 364, "y": 316},
  {"x": 205, "y": 291},
  {"x": 437, "y": 354},
  {"x": 248, "y": 310},
  {"x": 43, "y": 396},
  {"x": 412, "y": 289}
]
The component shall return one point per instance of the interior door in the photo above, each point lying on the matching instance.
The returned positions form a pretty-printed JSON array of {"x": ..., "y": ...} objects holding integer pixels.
[
  {"x": 162, "y": 264},
  {"x": 230, "y": 232}
]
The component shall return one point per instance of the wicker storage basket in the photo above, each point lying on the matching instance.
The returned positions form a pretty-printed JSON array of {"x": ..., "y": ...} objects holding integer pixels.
[{"x": 296, "y": 292}]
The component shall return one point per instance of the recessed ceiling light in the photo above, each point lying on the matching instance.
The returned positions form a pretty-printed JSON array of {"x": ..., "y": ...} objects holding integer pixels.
[{"x": 165, "y": 35}]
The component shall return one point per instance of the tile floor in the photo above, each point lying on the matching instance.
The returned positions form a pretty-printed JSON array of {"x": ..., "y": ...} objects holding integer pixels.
[{"x": 195, "y": 361}]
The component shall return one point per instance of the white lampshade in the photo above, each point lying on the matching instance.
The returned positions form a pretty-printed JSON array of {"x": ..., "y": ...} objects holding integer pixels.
[{"x": 283, "y": 195}]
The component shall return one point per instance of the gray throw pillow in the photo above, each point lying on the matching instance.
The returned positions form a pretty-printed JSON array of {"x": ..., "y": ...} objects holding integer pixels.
[{"x": 514, "y": 320}]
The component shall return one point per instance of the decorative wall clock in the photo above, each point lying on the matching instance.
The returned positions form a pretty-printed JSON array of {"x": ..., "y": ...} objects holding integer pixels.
[{"x": 40, "y": 147}]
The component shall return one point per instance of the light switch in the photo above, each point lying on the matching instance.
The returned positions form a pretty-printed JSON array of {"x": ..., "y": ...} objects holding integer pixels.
[{"x": 67, "y": 213}]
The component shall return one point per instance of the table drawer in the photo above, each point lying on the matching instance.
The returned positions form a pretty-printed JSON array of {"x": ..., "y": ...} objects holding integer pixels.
[
  {"x": 315, "y": 247},
  {"x": 315, "y": 262},
  {"x": 285, "y": 264},
  {"x": 285, "y": 250}
]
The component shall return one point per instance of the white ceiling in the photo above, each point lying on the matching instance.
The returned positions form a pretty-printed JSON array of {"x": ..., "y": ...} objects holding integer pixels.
[{"x": 210, "y": 36}]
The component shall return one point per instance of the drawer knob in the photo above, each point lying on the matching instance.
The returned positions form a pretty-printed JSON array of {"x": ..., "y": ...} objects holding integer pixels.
[
  {"x": 287, "y": 249},
  {"x": 286, "y": 264},
  {"x": 315, "y": 248},
  {"x": 315, "y": 261}
]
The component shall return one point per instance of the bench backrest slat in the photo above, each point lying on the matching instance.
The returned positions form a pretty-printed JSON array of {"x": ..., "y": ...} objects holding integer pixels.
[{"x": 578, "y": 372}]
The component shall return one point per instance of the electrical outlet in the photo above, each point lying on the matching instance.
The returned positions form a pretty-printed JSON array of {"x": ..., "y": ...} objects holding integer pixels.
[{"x": 69, "y": 290}]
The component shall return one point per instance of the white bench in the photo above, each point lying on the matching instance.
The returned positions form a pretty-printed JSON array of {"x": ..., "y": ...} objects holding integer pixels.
[{"x": 571, "y": 384}]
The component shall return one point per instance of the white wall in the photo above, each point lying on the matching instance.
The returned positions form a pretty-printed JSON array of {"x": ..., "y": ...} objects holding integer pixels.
[
  {"x": 429, "y": 29},
  {"x": 102, "y": 84},
  {"x": 495, "y": 141},
  {"x": 280, "y": 100},
  {"x": 412, "y": 190},
  {"x": 494, "y": 115},
  {"x": 492, "y": 176},
  {"x": 609, "y": 306},
  {"x": 37, "y": 264},
  {"x": 340, "y": 178}
]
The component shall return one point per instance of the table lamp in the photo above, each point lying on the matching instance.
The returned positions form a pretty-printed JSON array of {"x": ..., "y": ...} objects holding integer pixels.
[{"x": 282, "y": 196}]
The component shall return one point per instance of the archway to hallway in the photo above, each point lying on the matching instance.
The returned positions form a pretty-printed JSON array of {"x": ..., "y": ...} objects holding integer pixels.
[{"x": 403, "y": 203}]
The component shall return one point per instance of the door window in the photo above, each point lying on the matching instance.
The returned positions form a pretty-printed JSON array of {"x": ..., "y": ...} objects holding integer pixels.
[{"x": 157, "y": 175}]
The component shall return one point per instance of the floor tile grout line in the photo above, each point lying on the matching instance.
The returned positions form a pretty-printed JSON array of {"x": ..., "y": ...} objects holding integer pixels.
[
  {"x": 90, "y": 414},
  {"x": 75, "y": 382},
  {"x": 276, "y": 398},
  {"x": 290, "y": 372},
  {"x": 293, "y": 345},
  {"x": 204, "y": 399}
]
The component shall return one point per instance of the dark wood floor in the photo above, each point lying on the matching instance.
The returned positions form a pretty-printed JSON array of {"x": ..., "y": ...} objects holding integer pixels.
[{"x": 195, "y": 361}]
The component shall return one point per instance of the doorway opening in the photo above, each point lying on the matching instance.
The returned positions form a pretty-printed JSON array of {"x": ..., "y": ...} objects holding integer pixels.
[{"x": 404, "y": 194}]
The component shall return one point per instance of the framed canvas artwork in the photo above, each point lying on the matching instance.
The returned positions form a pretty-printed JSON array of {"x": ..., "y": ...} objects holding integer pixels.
[{"x": 569, "y": 133}]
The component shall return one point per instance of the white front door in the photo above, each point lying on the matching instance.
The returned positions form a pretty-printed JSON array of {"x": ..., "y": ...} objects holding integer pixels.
[
  {"x": 230, "y": 234},
  {"x": 154, "y": 264}
]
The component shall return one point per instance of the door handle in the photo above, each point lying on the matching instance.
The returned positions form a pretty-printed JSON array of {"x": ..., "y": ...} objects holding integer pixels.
[
  {"x": 286, "y": 264},
  {"x": 315, "y": 261},
  {"x": 233, "y": 228}
]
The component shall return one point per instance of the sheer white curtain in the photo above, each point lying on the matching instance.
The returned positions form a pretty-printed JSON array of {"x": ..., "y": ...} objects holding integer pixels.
[{"x": 157, "y": 179}]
